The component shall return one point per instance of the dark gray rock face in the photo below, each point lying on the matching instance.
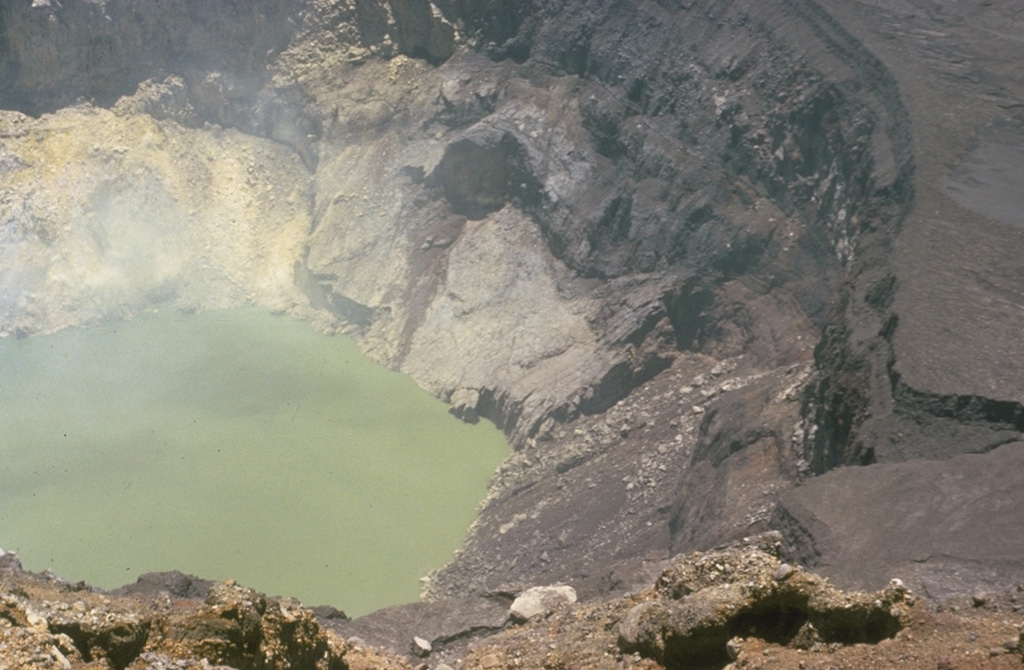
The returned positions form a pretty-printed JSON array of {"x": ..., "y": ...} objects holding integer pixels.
[
  {"x": 949, "y": 527},
  {"x": 55, "y": 53},
  {"x": 713, "y": 267},
  {"x": 173, "y": 583},
  {"x": 200, "y": 62},
  {"x": 920, "y": 368},
  {"x": 444, "y": 623}
]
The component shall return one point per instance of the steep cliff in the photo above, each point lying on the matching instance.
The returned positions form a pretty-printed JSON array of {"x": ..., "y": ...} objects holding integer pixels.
[{"x": 921, "y": 364}]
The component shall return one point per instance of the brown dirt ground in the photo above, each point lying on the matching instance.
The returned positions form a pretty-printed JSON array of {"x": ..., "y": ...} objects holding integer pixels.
[{"x": 985, "y": 634}]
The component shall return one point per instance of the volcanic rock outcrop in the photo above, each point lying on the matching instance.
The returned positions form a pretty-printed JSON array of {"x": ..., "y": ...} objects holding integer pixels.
[
  {"x": 713, "y": 267},
  {"x": 738, "y": 606}
]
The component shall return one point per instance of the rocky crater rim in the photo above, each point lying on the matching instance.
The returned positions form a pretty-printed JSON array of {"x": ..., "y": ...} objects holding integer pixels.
[{"x": 702, "y": 611}]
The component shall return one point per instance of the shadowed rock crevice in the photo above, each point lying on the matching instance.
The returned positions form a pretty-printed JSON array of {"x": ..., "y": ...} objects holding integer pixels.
[
  {"x": 420, "y": 33},
  {"x": 480, "y": 174},
  {"x": 786, "y": 619},
  {"x": 497, "y": 25},
  {"x": 119, "y": 643},
  {"x": 1005, "y": 415}
]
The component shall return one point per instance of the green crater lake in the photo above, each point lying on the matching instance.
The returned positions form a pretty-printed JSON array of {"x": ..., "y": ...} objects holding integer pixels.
[{"x": 232, "y": 444}]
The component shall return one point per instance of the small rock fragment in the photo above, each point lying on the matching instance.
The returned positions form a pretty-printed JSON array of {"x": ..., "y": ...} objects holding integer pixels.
[
  {"x": 421, "y": 647},
  {"x": 62, "y": 660},
  {"x": 733, "y": 647},
  {"x": 782, "y": 572},
  {"x": 36, "y": 621},
  {"x": 630, "y": 626}
]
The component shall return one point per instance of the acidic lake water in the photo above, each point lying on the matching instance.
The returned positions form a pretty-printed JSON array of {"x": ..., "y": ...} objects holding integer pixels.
[{"x": 232, "y": 444}]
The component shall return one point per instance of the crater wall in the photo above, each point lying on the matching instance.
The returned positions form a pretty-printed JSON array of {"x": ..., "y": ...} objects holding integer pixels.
[{"x": 680, "y": 253}]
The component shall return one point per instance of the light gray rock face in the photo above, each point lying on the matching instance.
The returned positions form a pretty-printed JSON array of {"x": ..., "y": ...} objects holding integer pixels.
[
  {"x": 438, "y": 623},
  {"x": 545, "y": 239}
]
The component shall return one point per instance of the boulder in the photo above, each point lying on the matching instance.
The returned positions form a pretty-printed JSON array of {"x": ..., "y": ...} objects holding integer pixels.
[{"x": 541, "y": 601}]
